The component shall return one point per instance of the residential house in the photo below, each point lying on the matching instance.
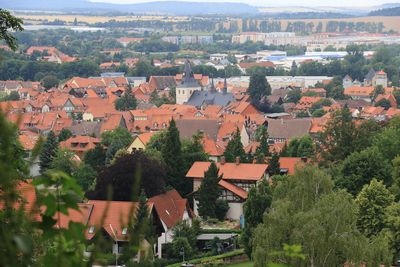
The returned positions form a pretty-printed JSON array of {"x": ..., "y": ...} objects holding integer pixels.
[
  {"x": 281, "y": 130},
  {"x": 189, "y": 127},
  {"x": 237, "y": 179},
  {"x": 171, "y": 209},
  {"x": 80, "y": 144},
  {"x": 360, "y": 92},
  {"x": 140, "y": 142}
]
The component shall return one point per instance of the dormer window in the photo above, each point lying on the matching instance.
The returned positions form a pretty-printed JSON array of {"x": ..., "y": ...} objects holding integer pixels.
[
  {"x": 124, "y": 231},
  {"x": 91, "y": 229}
]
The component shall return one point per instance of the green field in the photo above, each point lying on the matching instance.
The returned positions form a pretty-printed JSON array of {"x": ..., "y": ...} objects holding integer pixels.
[{"x": 243, "y": 264}]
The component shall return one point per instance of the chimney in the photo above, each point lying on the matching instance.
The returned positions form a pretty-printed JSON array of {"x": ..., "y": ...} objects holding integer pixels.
[
  {"x": 304, "y": 159},
  {"x": 222, "y": 161},
  {"x": 237, "y": 160}
]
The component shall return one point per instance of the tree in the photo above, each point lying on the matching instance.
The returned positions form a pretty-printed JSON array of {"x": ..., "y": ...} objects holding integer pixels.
[
  {"x": 337, "y": 141},
  {"x": 9, "y": 23},
  {"x": 126, "y": 174},
  {"x": 258, "y": 87},
  {"x": 306, "y": 147},
  {"x": 235, "y": 149},
  {"x": 13, "y": 96},
  {"x": 136, "y": 228},
  {"x": 115, "y": 146},
  {"x": 293, "y": 96},
  {"x": 395, "y": 188},
  {"x": 192, "y": 151},
  {"x": 48, "y": 152},
  {"x": 221, "y": 208},
  {"x": 361, "y": 167},
  {"x": 258, "y": 201},
  {"x": 190, "y": 232},
  {"x": 293, "y": 69},
  {"x": 388, "y": 140},
  {"x": 318, "y": 113},
  {"x": 96, "y": 157},
  {"x": 301, "y": 147},
  {"x": 64, "y": 160},
  {"x": 50, "y": 81},
  {"x": 64, "y": 134},
  {"x": 172, "y": 155},
  {"x": 274, "y": 165},
  {"x": 383, "y": 103},
  {"x": 263, "y": 148},
  {"x": 209, "y": 192},
  {"x": 306, "y": 211},
  {"x": 377, "y": 91},
  {"x": 85, "y": 176},
  {"x": 372, "y": 202},
  {"x": 126, "y": 102},
  {"x": 392, "y": 223},
  {"x": 121, "y": 134}
]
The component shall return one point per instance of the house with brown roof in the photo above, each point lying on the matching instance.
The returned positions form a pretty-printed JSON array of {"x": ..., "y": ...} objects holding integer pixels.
[
  {"x": 171, "y": 209},
  {"x": 283, "y": 130},
  {"x": 237, "y": 179},
  {"x": 189, "y": 127}
]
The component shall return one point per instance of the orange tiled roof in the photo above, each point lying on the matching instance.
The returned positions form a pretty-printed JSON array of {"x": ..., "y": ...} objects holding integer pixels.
[
  {"x": 230, "y": 171},
  {"x": 28, "y": 140},
  {"x": 364, "y": 91},
  {"x": 290, "y": 163},
  {"x": 234, "y": 189},
  {"x": 115, "y": 220},
  {"x": 145, "y": 137},
  {"x": 80, "y": 143}
]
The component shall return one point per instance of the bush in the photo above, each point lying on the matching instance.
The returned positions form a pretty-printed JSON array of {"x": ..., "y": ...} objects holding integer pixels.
[
  {"x": 221, "y": 208},
  {"x": 179, "y": 244}
]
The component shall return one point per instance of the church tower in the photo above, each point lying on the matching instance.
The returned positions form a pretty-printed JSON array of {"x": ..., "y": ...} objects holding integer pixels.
[{"x": 188, "y": 85}]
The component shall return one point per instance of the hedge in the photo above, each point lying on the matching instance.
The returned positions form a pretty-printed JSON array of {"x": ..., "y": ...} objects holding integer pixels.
[{"x": 212, "y": 259}]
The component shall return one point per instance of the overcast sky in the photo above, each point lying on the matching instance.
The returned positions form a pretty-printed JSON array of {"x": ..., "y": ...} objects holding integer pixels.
[{"x": 335, "y": 3}]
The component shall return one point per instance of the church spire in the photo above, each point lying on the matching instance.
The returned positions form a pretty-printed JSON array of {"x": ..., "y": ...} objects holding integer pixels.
[
  {"x": 188, "y": 75},
  {"x": 225, "y": 89},
  {"x": 212, "y": 86}
]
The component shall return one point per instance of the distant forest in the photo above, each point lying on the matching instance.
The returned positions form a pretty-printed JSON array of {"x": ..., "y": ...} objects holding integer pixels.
[{"x": 394, "y": 11}]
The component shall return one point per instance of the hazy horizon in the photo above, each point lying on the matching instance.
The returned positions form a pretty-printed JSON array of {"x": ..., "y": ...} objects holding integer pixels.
[{"x": 310, "y": 3}]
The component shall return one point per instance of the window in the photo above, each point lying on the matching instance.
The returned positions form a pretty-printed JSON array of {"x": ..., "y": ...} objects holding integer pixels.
[
  {"x": 91, "y": 229},
  {"x": 124, "y": 231}
]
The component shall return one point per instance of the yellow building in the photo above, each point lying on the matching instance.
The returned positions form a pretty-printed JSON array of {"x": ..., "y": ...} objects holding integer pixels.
[{"x": 140, "y": 142}]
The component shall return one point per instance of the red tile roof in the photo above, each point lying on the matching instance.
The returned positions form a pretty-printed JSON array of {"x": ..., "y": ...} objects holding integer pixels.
[
  {"x": 230, "y": 171},
  {"x": 170, "y": 207},
  {"x": 290, "y": 163},
  {"x": 115, "y": 214},
  {"x": 234, "y": 189}
]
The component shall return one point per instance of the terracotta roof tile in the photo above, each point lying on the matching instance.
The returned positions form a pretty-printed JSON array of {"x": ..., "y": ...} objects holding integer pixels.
[
  {"x": 170, "y": 207},
  {"x": 230, "y": 171}
]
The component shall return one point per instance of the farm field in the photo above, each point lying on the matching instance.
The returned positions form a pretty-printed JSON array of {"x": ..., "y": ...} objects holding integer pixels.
[
  {"x": 31, "y": 18},
  {"x": 390, "y": 23}
]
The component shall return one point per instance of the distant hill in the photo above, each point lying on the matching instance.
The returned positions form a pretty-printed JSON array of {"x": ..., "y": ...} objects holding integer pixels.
[
  {"x": 309, "y": 15},
  {"x": 160, "y": 7},
  {"x": 393, "y": 11}
]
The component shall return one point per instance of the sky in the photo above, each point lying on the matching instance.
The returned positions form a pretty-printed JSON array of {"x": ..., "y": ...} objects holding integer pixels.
[{"x": 308, "y": 3}]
